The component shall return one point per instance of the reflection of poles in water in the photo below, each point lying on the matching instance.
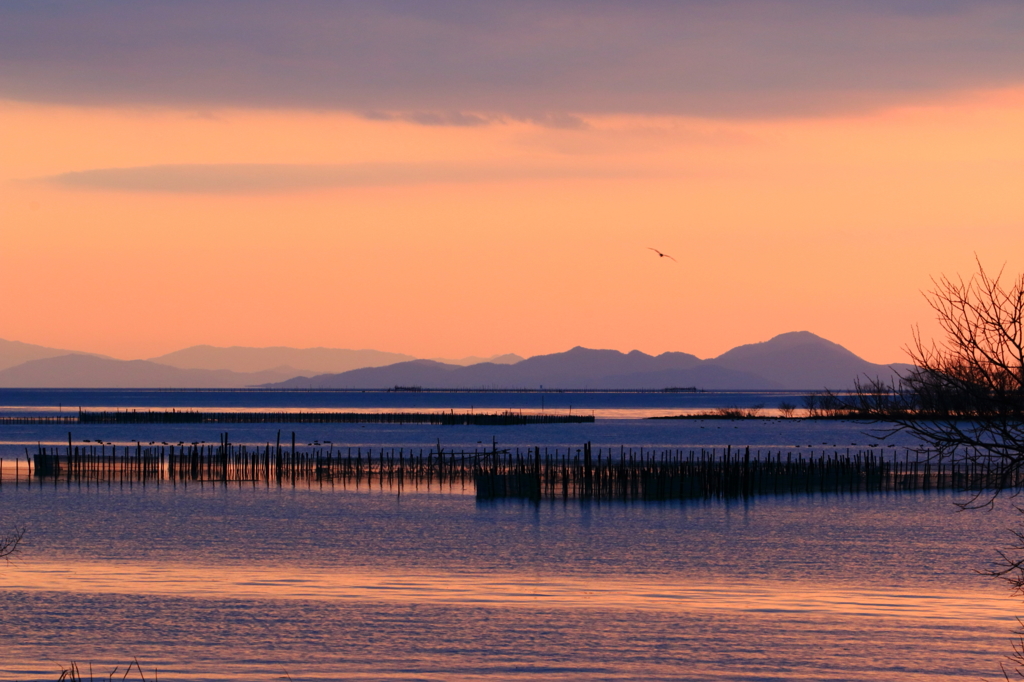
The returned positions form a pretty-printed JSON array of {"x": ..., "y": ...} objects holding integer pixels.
[
  {"x": 588, "y": 474},
  {"x": 494, "y": 455},
  {"x": 538, "y": 480}
]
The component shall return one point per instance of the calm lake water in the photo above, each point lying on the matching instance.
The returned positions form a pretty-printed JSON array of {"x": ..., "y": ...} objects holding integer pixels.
[{"x": 212, "y": 582}]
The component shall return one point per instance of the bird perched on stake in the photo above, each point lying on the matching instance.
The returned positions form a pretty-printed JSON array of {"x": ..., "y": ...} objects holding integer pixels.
[{"x": 663, "y": 255}]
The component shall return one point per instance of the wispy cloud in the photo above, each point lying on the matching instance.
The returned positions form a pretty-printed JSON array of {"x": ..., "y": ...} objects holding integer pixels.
[
  {"x": 278, "y": 178},
  {"x": 433, "y": 118},
  {"x": 535, "y": 59},
  {"x": 462, "y": 119}
]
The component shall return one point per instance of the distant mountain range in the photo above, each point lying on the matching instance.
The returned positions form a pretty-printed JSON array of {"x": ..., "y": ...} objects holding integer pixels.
[
  {"x": 298, "y": 361},
  {"x": 14, "y": 353},
  {"x": 24, "y": 365},
  {"x": 91, "y": 371},
  {"x": 793, "y": 361}
]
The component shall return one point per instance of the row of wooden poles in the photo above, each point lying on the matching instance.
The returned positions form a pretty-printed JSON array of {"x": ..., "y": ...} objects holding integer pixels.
[
  {"x": 451, "y": 417},
  {"x": 226, "y": 462},
  {"x": 530, "y": 473},
  {"x": 686, "y": 474}
]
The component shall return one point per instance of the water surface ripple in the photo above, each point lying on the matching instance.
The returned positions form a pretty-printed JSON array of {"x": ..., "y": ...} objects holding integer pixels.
[{"x": 213, "y": 582}]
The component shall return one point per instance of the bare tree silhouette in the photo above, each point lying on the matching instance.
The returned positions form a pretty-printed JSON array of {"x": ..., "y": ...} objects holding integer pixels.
[
  {"x": 965, "y": 397},
  {"x": 965, "y": 394}
]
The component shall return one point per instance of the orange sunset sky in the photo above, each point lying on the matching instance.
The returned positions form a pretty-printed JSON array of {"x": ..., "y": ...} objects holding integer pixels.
[{"x": 441, "y": 181}]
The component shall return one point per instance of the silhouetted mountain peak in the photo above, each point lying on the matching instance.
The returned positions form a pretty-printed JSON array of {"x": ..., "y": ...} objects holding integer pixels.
[
  {"x": 802, "y": 360},
  {"x": 779, "y": 344}
]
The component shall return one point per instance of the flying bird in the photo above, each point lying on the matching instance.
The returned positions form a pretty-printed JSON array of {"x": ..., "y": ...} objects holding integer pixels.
[{"x": 662, "y": 255}]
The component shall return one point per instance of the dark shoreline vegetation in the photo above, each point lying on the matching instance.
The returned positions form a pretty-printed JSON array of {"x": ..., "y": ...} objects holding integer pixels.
[
  {"x": 449, "y": 418},
  {"x": 729, "y": 415}
]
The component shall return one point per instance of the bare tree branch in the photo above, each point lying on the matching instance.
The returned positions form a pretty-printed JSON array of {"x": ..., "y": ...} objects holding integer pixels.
[
  {"x": 965, "y": 398},
  {"x": 965, "y": 395}
]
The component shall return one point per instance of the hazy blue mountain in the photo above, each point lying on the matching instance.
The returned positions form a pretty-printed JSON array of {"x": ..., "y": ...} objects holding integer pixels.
[
  {"x": 585, "y": 363},
  {"x": 576, "y": 368},
  {"x": 413, "y": 373},
  {"x": 90, "y": 371},
  {"x": 299, "y": 360},
  {"x": 13, "y": 353},
  {"x": 506, "y": 359},
  {"x": 795, "y": 361},
  {"x": 802, "y": 360}
]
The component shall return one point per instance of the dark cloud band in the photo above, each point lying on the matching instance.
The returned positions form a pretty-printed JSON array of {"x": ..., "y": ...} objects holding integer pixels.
[{"x": 537, "y": 59}]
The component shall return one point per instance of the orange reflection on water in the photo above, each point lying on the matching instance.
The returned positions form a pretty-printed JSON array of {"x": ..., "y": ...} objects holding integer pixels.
[{"x": 501, "y": 590}]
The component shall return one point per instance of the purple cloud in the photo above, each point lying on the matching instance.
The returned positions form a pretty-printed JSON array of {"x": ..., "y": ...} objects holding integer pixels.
[{"x": 448, "y": 62}]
